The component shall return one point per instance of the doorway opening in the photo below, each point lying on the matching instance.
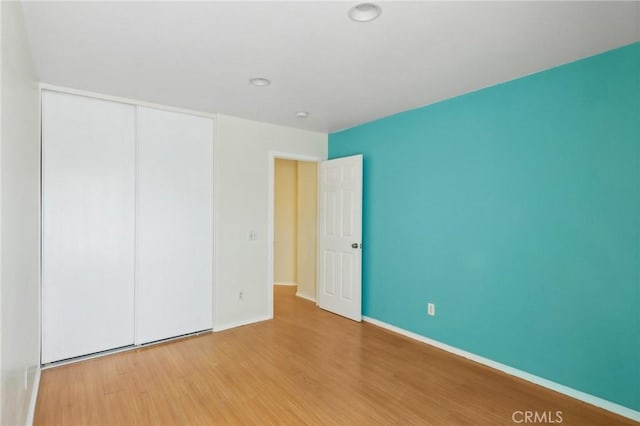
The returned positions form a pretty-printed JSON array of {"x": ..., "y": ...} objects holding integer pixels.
[
  {"x": 295, "y": 227},
  {"x": 338, "y": 234}
]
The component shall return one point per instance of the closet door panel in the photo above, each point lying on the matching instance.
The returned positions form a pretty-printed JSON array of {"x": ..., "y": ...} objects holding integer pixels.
[
  {"x": 174, "y": 224},
  {"x": 88, "y": 237}
]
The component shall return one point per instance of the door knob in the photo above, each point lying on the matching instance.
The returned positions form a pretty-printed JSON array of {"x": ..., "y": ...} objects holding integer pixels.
[{"x": 356, "y": 245}]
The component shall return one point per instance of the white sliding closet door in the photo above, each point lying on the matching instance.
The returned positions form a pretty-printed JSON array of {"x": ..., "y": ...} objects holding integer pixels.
[
  {"x": 88, "y": 207},
  {"x": 174, "y": 224}
]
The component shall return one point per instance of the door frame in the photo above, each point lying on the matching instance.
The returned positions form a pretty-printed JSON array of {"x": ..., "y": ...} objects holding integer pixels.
[{"x": 273, "y": 155}]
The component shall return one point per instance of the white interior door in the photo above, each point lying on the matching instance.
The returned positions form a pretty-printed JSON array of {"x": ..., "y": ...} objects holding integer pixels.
[
  {"x": 340, "y": 237},
  {"x": 174, "y": 225},
  {"x": 88, "y": 172}
]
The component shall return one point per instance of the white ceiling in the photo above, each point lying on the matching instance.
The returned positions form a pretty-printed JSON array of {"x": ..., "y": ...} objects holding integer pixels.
[{"x": 201, "y": 55}]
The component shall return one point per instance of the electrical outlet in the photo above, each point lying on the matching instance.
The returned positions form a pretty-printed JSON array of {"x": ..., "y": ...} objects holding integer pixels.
[
  {"x": 431, "y": 309},
  {"x": 241, "y": 295},
  {"x": 253, "y": 235}
]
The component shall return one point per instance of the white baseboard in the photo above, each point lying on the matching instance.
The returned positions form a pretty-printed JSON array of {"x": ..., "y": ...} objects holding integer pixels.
[
  {"x": 582, "y": 396},
  {"x": 235, "y": 324},
  {"x": 305, "y": 296},
  {"x": 287, "y": 284},
  {"x": 33, "y": 398}
]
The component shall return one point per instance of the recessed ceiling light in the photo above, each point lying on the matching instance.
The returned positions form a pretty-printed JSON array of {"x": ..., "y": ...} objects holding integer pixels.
[
  {"x": 302, "y": 114},
  {"x": 260, "y": 81},
  {"x": 365, "y": 12}
]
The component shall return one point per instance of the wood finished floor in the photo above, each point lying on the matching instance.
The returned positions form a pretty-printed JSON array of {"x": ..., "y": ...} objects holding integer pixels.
[{"x": 307, "y": 366}]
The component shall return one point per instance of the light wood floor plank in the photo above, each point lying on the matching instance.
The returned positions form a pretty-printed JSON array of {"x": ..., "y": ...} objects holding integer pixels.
[{"x": 307, "y": 366}]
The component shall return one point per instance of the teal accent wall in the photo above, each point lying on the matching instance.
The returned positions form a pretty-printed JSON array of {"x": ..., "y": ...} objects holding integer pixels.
[{"x": 516, "y": 210}]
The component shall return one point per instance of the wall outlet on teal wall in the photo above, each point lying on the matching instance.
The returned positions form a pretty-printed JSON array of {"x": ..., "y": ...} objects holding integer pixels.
[{"x": 431, "y": 309}]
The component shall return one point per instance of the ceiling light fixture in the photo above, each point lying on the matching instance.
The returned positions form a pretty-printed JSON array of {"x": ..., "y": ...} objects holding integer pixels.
[
  {"x": 302, "y": 114},
  {"x": 260, "y": 81},
  {"x": 364, "y": 12}
]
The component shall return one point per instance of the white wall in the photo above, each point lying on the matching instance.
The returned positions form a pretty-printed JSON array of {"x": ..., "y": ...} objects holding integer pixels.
[
  {"x": 242, "y": 171},
  {"x": 20, "y": 212}
]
